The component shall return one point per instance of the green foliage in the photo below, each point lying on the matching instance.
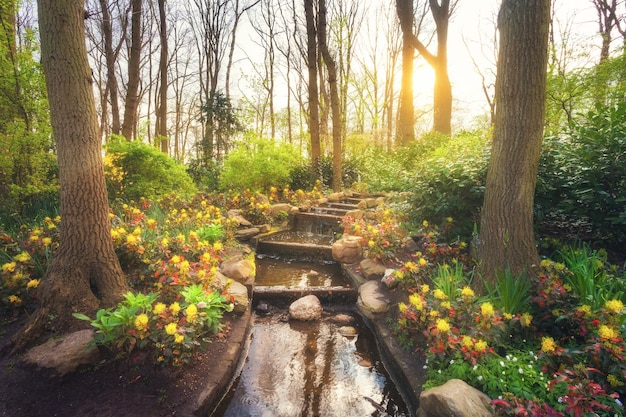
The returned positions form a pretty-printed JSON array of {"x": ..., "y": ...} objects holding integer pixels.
[
  {"x": 589, "y": 277},
  {"x": 450, "y": 279},
  {"x": 221, "y": 121},
  {"x": 204, "y": 174},
  {"x": 510, "y": 293},
  {"x": 211, "y": 233},
  {"x": 259, "y": 164},
  {"x": 450, "y": 182},
  {"x": 135, "y": 170},
  {"x": 582, "y": 179}
]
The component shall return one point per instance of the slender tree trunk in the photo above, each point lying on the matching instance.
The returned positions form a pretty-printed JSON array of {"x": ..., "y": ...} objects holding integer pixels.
[
  {"x": 314, "y": 126},
  {"x": 107, "y": 31},
  {"x": 132, "y": 98},
  {"x": 85, "y": 273},
  {"x": 334, "y": 96},
  {"x": 507, "y": 239},
  {"x": 406, "y": 108},
  {"x": 161, "y": 132}
]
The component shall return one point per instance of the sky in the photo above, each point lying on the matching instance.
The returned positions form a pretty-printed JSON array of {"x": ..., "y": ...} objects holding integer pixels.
[{"x": 472, "y": 26}]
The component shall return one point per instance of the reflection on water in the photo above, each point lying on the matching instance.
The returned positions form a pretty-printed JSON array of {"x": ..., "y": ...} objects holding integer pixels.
[
  {"x": 272, "y": 271},
  {"x": 309, "y": 369}
]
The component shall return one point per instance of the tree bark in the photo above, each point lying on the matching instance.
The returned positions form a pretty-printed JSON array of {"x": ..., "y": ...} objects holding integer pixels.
[
  {"x": 110, "y": 56},
  {"x": 406, "y": 108},
  {"x": 506, "y": 239},
  {"x": 314, "y": 123},
  {"x": 132, "y": 98},
  {"x": 161, "y": 132},
  {"x": 85, "y": 273},
  {"x": 334, "y": 96}
]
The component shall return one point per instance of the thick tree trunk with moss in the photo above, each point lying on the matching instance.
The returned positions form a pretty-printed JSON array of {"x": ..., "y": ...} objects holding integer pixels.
[
  {"x": 85, "y": 273},
  {"x": 507, "y": 239}
]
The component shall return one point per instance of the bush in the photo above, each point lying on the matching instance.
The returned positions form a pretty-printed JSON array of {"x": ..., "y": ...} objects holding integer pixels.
[
  {"x": 450, "y": 182},
  {"x": 259, "y": 164},
  {"x": 134, "y": 170},
  {"x": 582, "y": 177}
]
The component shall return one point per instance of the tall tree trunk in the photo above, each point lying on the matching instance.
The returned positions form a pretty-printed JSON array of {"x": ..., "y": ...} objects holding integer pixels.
[
  {"x": 110, "y": 56},
  {"x": 85, "y": 273},
  {"x": 161, "y": 133},
  {"x": 406, "y": 108},
  {"x": 507, "y": 239},
  {"x": 442, "y": 99},
  {"x": 132, "y": 98},
  {"x": 334, "y": 96},
  {"x": 314, "y": 123}
]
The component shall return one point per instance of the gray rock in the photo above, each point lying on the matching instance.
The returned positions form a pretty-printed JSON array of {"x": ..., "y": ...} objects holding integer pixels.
[
  {"x": 372, "y": 300},
  {"x": 306, "y": 308},
  {"x": 243, "y": 235},
  {"x": 66, "y": 354},
  {"x": 372, "y": 270},
  {"x": 276, "y": 209},
  {"x": 343, "y": 319},
  {"x": 455, "y": 398}
]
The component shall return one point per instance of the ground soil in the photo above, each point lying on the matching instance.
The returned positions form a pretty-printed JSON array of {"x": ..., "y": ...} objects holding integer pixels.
[{"x": 128, "y": 387}]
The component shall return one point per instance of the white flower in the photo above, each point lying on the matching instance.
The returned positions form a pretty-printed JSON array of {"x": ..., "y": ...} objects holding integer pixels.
[
  {"x": 451, "y": 361},
  {"x": 618, "y": 402},
  {"x": 480, "y": 377},
  {"x": 502, "y": 364},
  {"x": 201, "y": 304},
  {"x": 521, "y": 371},
  {"x": 475, "y": 367}
]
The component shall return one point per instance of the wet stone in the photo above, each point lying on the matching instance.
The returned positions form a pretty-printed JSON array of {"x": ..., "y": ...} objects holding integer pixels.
[{"x": 306, "y": 308}]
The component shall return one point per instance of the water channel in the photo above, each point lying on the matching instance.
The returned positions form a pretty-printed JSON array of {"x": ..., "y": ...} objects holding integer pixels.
[{"x": 325, "y": 368}]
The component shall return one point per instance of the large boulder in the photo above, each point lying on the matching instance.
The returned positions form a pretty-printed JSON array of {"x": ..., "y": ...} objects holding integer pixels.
[
  {"x": 348, "y": 249},
  {"x": 241, "y": 221},
  {"x": 306, "y": 308},
  {"x": 372, "y": 299},
  {"x": 455, "y": 398},
  {"x": 66, "y": 354},
  {"x": 239, "y": 292},
  {"x": 276, "y": 209},
  {"x": 244, "y": 235}
]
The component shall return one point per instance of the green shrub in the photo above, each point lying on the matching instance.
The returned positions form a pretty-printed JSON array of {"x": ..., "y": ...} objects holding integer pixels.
[
  {"x": 450, "y": 182},
  {"x": 259, "y": 164},
  {"x": 582, "y": 178},
  {"x": 134, "y": 170}
]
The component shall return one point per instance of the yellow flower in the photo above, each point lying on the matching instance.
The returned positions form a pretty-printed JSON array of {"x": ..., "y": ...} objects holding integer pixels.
[
  {"x": 33, "y": 238},
  {"x": 217, "y": 246},
  {"x": 443, "y": 326},
  {"x": 14, "y": 299},
  {"x": 423, "y": 262},
  {"x": 486, "y": 309},
  {"x": 545, "y": 263},
  {"x": 467, "y": 342},
  {"x": 548, "y": 345},
  {"x": 402, "y": 307},
  {"x": 192, "y": 313},
  {"x": 467, "y": 292},
  {"x": 425, "y": 223},
  {"x": 201, "y": 274},
  {"x": 159, "y": 308},
  {"x": 165, "y": 242},
  {"x": 175, "y": 308},
  {"x": 480, "y": 346},
  {"x": 131, "y": 239},
  {"x": 33, "y": 283},
  {"x": 175, "y": 259},
  {"x": 184, "y": 267},
  {"x": 584, "y": 309},
  {"x": 606, "y": 332},
  {"x": 614, "y": 381},
  {"x": 507, "y": 316},
  {"x": 8, "y": 267},
  {"x": 446, "y": 304},
  {"x": 425, "y": 289},
  {"x": 170, "y": 328},
  {"x": 433, "y": 313},
  {"x": 141, "y": 321},
  {"x": 440, "y": 295},
  {"x": 416, "y": 301},
  {"x": 22, "y": 257},
  {"x": 449, "y": 219},
  {"x": 179, "y": 338},
  {"x": 151, "y": 223},
  {"x": 559, "y": 266},
  {"x": 47, "y": 241},
  {"x": 371, "y": 243},
  {"x": 526, "y": 319},
  {"x": 614, "y": 306}
]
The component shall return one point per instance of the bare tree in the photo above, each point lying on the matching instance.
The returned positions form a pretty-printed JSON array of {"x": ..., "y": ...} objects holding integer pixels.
[
  {"x": 331, "y": 66},
  {"x": 314, "y": 124},
  {"x": 161, "y": 115},
  {"x": 132, "y": 95}
]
